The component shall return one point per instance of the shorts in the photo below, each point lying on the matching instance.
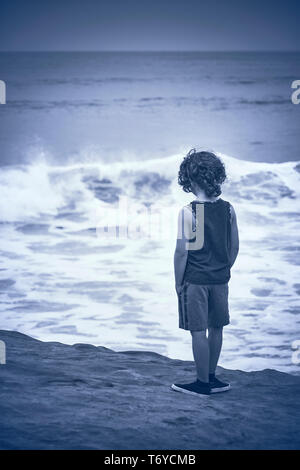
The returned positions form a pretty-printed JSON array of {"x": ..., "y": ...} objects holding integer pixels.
[{"x": 203, "y": 306}]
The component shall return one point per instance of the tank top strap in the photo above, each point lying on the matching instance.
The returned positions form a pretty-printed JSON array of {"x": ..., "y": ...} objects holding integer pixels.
[{"x": 194, "y": 219}]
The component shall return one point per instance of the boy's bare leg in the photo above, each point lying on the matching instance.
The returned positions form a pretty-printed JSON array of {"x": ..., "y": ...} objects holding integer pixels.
[
  {"x": 201, "y": 354},
  {"x": 215, "y": 338}
]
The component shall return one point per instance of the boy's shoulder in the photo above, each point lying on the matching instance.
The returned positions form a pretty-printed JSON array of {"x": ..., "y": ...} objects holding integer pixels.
[
  {"x": 187, "y": 211},
  {"x": 229, "y": 204},
  {"x": 186, "y": 207},
  {"x": 231, "y": 211},
  {"x": 186, "y": 215},
  {"x": 189, "y": 206}
]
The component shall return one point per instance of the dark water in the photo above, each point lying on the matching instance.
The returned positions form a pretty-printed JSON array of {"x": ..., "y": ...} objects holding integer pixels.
[{"x": 95, "y": 106}]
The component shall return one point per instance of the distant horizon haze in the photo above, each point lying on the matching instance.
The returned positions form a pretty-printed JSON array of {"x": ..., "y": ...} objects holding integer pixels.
[
  {"x": 270, "y": 51},
  {"x": 140, "y": 25}
]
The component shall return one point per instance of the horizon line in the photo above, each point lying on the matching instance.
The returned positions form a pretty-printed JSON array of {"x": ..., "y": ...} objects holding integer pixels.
[{"x": 155, "y": 50}]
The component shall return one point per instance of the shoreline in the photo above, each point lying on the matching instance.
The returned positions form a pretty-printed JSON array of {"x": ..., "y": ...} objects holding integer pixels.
[{"x": 56, "y": 396}]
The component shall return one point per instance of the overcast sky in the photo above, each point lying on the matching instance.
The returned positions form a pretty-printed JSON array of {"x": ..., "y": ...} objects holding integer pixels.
[{"x": 149, "y": 25}]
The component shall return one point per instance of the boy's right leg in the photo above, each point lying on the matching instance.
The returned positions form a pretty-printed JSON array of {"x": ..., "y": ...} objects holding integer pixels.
[
  {"x": 215, "y": 337},
  {"x": 215, "y": 344},
  {"x": 201, "y": 354}
]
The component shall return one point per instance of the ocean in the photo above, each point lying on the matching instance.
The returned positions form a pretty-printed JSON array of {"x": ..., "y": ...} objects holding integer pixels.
[
  {"x": 83, "y": 132},
  {"x": 93, "y": 106}
]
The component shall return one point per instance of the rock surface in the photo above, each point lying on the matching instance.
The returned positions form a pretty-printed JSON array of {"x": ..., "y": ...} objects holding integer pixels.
[{"x": 55, "y": 396}]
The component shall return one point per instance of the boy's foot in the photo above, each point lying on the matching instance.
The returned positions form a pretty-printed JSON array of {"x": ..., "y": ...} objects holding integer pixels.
[
  {"x": 218, "y": 386},
  {"x": 194, "y": 388}
]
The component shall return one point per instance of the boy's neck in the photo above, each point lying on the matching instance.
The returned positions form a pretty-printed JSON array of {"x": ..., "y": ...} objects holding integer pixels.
[{"x": 201, "y": 196}]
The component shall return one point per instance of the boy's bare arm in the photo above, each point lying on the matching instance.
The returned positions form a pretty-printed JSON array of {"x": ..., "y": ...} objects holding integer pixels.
[
  {"x": 234, "y": 247},
  {"x": 181, "y": 251}
]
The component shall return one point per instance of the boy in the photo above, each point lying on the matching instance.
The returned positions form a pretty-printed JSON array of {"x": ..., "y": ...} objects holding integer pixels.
[{"x": 207, "y": 247}]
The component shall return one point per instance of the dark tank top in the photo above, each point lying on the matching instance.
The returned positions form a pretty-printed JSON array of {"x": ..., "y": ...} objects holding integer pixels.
[{"x": 211, "y": 263}]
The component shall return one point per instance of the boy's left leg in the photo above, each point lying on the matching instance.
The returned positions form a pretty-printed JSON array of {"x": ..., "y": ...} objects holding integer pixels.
[{"x": 200, "y": 347}]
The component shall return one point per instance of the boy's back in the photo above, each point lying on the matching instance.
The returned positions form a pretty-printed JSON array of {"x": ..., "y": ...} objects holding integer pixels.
[{"x": 211, "y": 263}]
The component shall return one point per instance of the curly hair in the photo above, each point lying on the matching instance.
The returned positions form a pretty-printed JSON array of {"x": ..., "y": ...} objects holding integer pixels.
[{"x": 203, "y": 168}]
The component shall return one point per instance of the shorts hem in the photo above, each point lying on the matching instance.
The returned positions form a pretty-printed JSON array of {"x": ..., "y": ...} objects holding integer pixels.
[
  {"x": 193, "y": 329},
  {"x": 205, "y": 327}
]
